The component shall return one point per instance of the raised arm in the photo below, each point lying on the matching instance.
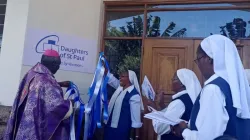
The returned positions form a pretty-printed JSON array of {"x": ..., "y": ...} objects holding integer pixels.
[{"x": 114, "y": 82}]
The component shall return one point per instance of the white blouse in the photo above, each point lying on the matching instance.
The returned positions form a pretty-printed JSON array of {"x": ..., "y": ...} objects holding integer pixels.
[
  {"x": 174, "y": 110},
  {"x": 135, "y": 103},
  {"x": 212, "y": 117}
]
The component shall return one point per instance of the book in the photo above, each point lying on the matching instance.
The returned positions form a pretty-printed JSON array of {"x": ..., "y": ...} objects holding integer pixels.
[
  {"x": 147, "y": 89},
  {"x": 159, "y": 116}
]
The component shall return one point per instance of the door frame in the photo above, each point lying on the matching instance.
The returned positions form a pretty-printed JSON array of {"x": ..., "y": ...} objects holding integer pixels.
[
  {"x": 147, "y": 70},
  {"x": 145, "y": 54}
]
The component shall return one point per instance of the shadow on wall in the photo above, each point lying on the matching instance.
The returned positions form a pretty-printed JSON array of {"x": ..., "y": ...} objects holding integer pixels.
[{"x": 4, "y": 116}]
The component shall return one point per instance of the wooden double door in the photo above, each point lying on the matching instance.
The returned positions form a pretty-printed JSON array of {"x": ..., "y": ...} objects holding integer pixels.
[{"x": 161, "y": 59}]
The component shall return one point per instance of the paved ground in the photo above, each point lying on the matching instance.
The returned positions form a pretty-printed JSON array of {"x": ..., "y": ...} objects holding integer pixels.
[{"x": 4, "y": 115}]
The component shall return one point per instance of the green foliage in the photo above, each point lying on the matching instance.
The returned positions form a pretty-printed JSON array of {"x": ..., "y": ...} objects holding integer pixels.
[
  {"x": 128, "y": 51},
  {"x": 129, "y": 63},
  {"x": 154, "y": 29},
  {"x": 235, "y": 29}
]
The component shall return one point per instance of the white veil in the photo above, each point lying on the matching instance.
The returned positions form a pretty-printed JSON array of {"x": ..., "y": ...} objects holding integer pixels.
[
  {"x": 190, "y": 81},
  {"x": 228, "y": 65},
  {"x": 133, "y": 80}
]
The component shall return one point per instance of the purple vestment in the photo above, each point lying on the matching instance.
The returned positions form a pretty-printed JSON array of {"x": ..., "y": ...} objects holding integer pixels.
[{"x": 39, "y": 109}]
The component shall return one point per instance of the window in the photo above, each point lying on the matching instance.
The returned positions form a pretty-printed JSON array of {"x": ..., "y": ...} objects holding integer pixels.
[
  {"x": 128, "y": 24},
  {"x": 125, "y": 24},
  {"x": 199, "y": 23},
  {"x": 2, "y": 17},
  {"x": 123, "y": 54}
]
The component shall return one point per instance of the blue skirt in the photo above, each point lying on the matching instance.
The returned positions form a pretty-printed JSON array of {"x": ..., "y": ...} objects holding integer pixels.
[{"x": 116, "y": 133}]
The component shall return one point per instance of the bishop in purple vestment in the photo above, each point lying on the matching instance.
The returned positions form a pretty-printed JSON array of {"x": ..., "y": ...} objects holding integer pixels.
[{"x": 40, "y": 111}]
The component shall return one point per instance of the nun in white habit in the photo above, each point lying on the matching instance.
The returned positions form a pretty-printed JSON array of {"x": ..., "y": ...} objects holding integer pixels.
[
  {"x": 187, "y": 87},
  {"x": 124, "y": 107},
  {"x": 222, "y": 107}
]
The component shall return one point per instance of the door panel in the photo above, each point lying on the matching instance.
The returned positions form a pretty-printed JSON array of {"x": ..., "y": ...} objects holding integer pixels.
[
  {"x": 161, "y": 59},
  {"x": 245, "y": 53},
  {"x": 165, "y": 62}
]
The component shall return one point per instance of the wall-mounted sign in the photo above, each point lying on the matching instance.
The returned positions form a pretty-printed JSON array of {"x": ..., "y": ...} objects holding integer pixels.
[{"x": 77, "y": 54}]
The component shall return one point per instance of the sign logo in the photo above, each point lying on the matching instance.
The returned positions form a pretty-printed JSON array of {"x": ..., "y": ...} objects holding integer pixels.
[
  {"x": 48, "y": 42},
  {"x": 77, "y": 54},
  {"x": 51, "y": 42}
]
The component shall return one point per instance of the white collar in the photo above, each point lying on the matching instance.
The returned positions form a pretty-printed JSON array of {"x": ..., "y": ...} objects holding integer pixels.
[
  {"x": 130, "y": 88},
  {"x": 211, "y": 79},
  {"x": 179, "y": 94}
]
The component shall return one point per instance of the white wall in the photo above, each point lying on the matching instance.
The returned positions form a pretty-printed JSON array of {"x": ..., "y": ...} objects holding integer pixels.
[
  {"x": 81, "y": 18},
  {"x": 12, "y": 49}
]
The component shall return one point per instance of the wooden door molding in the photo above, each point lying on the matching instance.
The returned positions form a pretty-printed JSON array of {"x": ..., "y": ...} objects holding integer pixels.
[
  {"x": 176, "y": 53},
  {"x": 244, "y": 49},
  {"x": 161, "y": 59}
]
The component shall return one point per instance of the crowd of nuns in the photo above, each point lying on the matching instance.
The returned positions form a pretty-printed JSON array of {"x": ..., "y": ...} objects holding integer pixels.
[{"x": 220, "y": 110}]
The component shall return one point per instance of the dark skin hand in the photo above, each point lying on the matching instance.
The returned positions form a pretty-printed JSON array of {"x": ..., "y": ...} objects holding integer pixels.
[
  {"x": 160, "y": 99},
  {"x": 152, "y": 104},
  {"x": 137, "y": 131},
  {"x": 134, "y": 132},
  {"x": 106, "y": 70},
  {"x": 65, "y": 84},
  {"x": 179, "y": 128}
]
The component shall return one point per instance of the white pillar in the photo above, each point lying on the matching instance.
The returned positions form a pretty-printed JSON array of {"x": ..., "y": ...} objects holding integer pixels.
[{"x": 12, "y": 49}]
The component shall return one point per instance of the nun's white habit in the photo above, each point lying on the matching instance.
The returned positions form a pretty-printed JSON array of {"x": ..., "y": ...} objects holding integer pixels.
[
  {"x": 124, "y": 109},
  {"x": 176, "y": 108},
  {"x": 212, "y": 118}
]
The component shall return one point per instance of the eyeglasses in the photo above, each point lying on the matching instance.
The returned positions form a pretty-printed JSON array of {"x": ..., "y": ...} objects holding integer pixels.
[
  {"x": 174, "y": 79},
  {"x": 197, "y": 59}
]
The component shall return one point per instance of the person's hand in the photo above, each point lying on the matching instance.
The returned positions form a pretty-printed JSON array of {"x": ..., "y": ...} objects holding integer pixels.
[
  {"x": 105, "y": 67},
  {"x": 152, "y": 104},
  {"x": 179, "y": 128},
  {"x": 183, "y": 125},
  {"x": 65, "y": 84},
  {"x": 172, "y": 129},
  {"x": 160, "y": 98},
  {"x": 137, "y": 138}
]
